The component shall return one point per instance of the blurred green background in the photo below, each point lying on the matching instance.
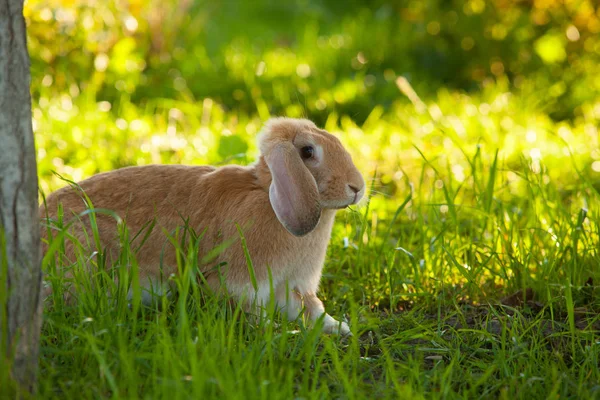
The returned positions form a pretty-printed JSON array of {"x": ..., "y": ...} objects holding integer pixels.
[{"x": 119, "y": 83}]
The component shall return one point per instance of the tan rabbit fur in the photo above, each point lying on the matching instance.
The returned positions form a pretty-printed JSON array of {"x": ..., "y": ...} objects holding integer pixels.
[{"x": 285, "y": 203}]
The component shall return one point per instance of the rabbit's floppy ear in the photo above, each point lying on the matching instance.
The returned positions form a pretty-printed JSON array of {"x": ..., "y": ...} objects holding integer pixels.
[{"x": 293, "y": 192}]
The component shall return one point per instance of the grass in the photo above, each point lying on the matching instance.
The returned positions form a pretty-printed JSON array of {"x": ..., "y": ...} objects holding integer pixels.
[
  {"x": 472, "y": 271},
  {"x": 423, "y": 285}
]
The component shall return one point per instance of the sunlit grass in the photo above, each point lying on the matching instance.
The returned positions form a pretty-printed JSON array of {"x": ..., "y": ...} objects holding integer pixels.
[
  {"x": 419, "y": 270},
  {"x": 482, "y": 155},
  {"x": 472, "y": 198}
]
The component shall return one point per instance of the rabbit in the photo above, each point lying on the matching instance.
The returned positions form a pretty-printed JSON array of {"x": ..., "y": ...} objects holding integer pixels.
[{"x": 285, "y": 203}]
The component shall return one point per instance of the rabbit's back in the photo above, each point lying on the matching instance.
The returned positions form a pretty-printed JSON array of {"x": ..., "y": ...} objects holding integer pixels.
[{"x": 163, "y": 194}]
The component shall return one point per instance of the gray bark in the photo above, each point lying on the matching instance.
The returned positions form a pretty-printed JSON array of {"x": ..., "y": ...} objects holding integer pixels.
[{"x": 20, "y": 263}]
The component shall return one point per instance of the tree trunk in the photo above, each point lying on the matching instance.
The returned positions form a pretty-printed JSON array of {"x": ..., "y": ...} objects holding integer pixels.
[{"x": 20, "y": 263}]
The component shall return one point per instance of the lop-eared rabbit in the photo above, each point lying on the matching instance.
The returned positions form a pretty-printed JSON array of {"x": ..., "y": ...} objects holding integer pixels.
[{"x": 285, "y": 202}]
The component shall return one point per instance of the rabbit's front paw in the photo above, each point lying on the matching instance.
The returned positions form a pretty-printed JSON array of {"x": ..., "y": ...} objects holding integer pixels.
[{"x": 330, "y": 325}]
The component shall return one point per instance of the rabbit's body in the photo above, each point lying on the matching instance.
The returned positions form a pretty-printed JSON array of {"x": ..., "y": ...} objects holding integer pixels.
[{"x": 216, "y": 202}]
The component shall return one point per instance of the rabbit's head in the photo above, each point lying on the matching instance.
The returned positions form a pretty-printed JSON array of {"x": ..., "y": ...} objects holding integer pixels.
[{"x": 310, "y": 171}]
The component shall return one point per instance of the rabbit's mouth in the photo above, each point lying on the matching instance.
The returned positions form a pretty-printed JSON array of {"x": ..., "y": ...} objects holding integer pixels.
[
  {"x": 341, "y": 204},
  {"x": 340, "y": 207}
]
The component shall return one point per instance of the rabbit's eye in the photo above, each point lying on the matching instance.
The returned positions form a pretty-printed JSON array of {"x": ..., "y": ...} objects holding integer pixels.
[{"x": 307, "y": 152}]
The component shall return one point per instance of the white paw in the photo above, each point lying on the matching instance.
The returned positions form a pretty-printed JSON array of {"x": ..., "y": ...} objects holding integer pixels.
[{"x": 332, "y": 326}]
